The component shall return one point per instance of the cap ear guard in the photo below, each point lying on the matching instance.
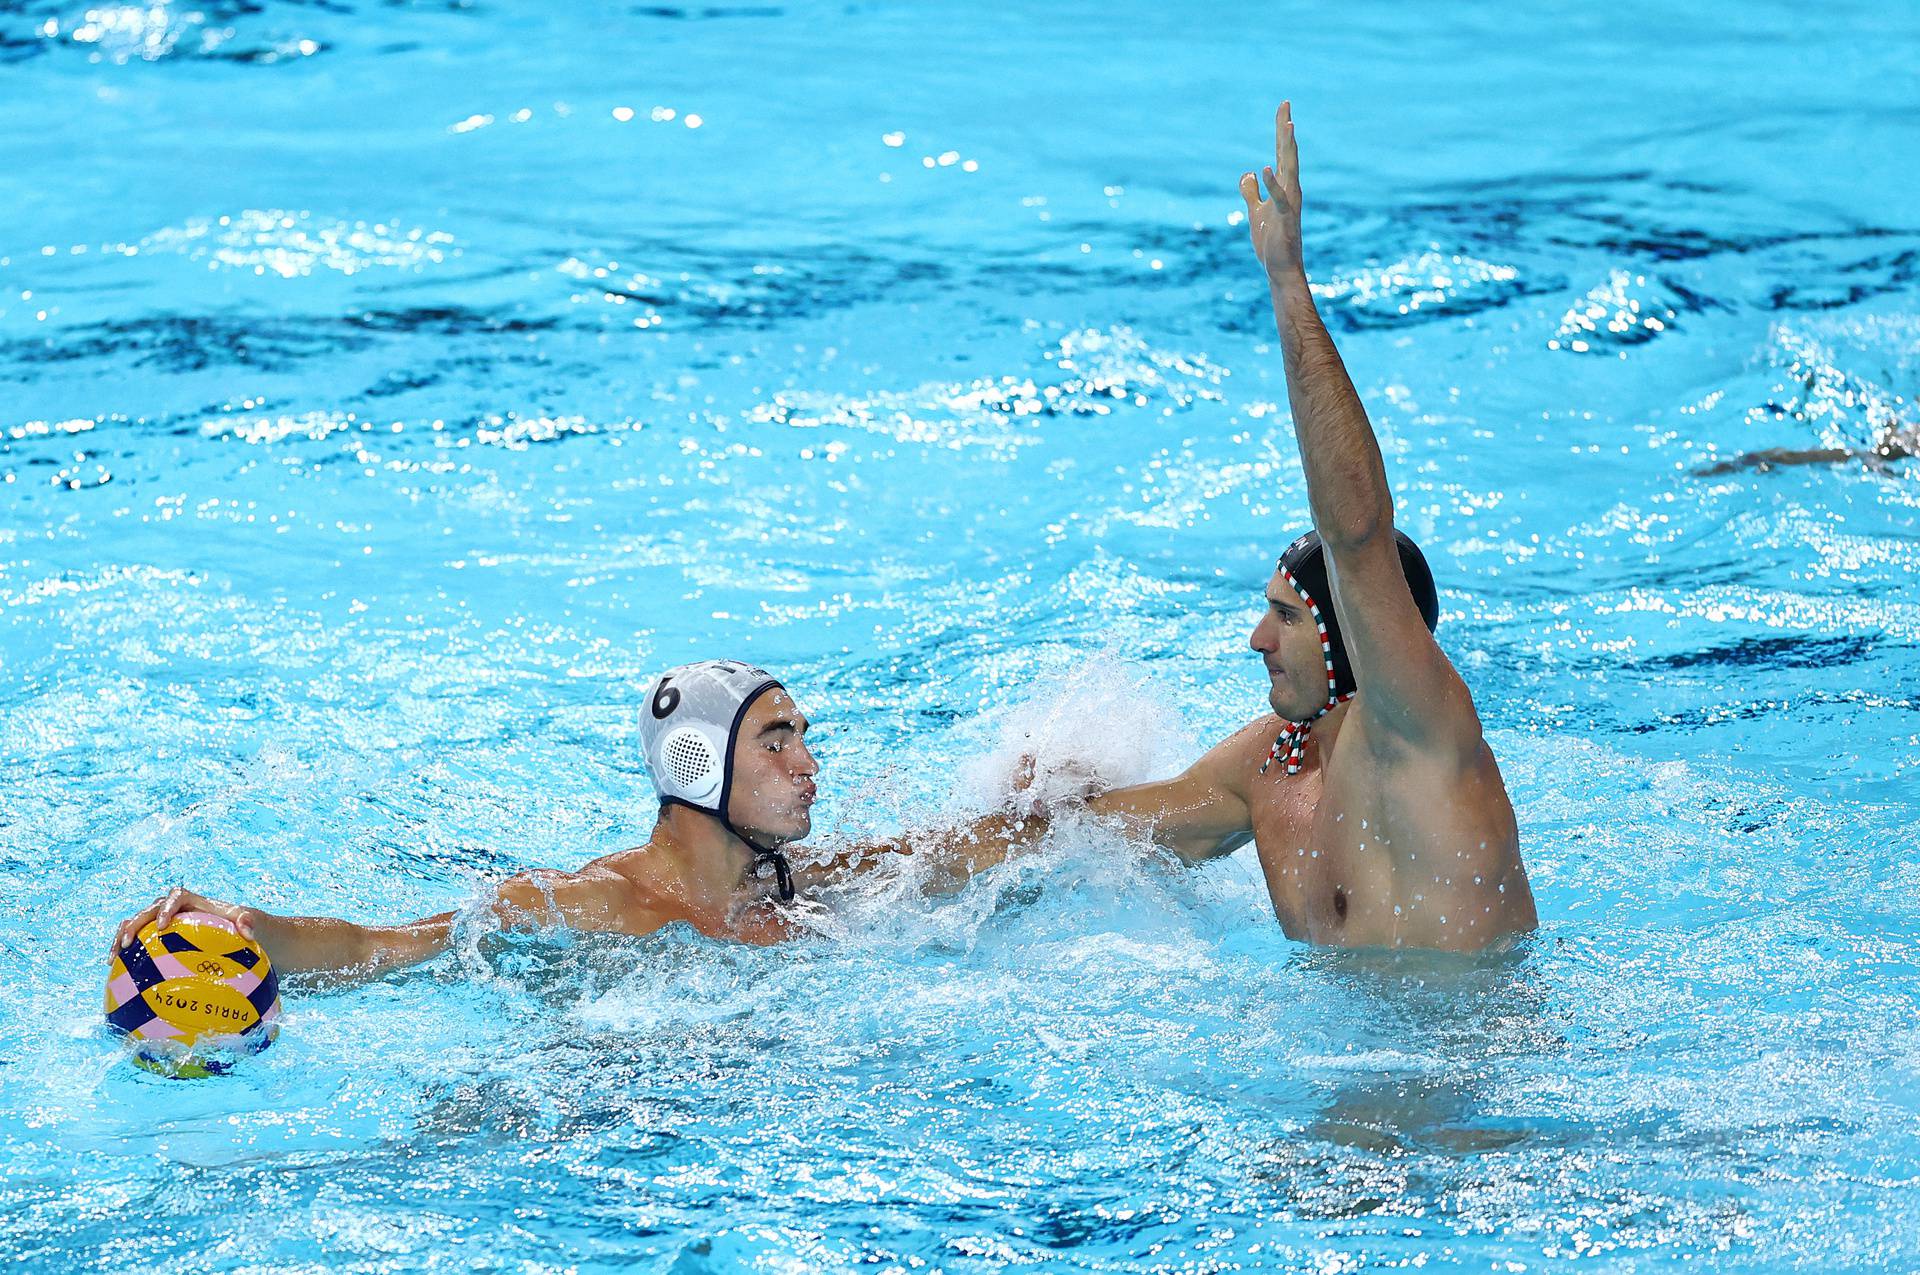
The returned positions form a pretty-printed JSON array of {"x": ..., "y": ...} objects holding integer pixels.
[
  {"x": 691, "y": 764},
  {"x": 688, "y": 726}
]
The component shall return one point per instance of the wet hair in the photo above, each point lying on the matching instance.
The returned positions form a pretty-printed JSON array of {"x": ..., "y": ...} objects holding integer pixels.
[{"x": 1304, "y": 566}]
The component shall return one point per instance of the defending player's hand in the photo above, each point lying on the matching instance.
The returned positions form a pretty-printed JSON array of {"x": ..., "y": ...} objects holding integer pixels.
[{"x": 1275, "y": 220}]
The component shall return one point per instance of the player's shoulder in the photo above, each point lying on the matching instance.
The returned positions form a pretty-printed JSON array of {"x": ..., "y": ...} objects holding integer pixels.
[
  {"x": 628, "y": 885},
  {"x": 1447, "y": 733},
  {"x": 1256, "y": 736},
  {"x": 1449, "y": 755},
  {"x": 630, "y": 872},
  {"x": 1250, "y": 744},
  {"x": 562, "y": 885}
]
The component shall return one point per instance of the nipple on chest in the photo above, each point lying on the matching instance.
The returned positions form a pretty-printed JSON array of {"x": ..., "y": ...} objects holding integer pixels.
[{"x": 1340, "y": 903}]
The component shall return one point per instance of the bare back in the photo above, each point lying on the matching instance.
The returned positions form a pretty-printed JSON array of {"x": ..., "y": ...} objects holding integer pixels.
[{"x": 640, "y": 897}]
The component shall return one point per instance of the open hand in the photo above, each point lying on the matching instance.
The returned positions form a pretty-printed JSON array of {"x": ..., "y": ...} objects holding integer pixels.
[
  {"x": 1275, "y": 220},
  {"x": 1037, "y": 791},
  {"x": 180, "y": 899}
]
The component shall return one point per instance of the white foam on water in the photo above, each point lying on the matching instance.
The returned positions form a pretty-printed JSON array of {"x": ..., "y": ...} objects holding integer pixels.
[
  {"x": 1087, "y": 725},
  {"x": 1094, "y": 725}
]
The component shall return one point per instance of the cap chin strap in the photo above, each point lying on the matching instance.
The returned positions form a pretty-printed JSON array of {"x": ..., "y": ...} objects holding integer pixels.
[
  {"x": 782, "y": 871},
  {"x": 762, "y": 854},
  {"x": 1292, "y": 743}
]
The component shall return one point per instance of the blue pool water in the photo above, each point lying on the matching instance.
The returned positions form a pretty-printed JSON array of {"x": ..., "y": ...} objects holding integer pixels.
[{"x": 389, "y": 390}]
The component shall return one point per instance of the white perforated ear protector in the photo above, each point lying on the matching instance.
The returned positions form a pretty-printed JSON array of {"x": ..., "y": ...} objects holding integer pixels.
[
  {"x": 687, "y": 727},
  {"x": 691, "y": 763}
]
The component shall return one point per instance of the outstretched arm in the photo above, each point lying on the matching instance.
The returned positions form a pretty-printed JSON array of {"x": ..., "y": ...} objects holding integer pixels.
[
  {"x": 342, "y": 951},
  {"x": 1410, "y": 694},
  {"x": 1199, "y": 814},
  {"x": 953, "y": 855},
  {"x": 306, "y": 944},
  {"x": 1203, "y": 812}
]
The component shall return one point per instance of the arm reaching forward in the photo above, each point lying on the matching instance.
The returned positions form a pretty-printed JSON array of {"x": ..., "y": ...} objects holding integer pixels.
[
  {"x": 1203, "y": 812},
  {"x": 1412, "y": 695},
  {"x": 591, "y": 899},
  {"x": 1199, "y": 814},
  {"x": 952, "y": 855}
]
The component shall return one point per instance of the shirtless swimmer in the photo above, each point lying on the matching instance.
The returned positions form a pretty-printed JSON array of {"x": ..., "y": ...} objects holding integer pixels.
[
  {"x": 726, "y": 746},
  {"x": 1374, "y": 804}
]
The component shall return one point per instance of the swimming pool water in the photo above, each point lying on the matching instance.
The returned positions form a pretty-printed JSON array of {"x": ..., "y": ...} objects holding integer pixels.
[{"x": 390, "y": 390}]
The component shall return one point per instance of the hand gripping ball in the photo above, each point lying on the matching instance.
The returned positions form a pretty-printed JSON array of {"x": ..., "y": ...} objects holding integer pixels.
[{"x": 192, "y": 997}]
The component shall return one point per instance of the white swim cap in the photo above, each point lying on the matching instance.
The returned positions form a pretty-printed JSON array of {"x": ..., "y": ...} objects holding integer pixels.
[{"x": 688, "y": 727}]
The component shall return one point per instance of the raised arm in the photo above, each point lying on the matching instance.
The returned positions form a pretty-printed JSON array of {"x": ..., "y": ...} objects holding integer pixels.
[
  {"x": 1410, "y": 693},
  {"x": 343, "y": 951}
]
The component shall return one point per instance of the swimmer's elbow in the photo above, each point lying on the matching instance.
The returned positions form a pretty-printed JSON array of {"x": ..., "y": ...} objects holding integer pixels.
[{"x": 1366, "y": 523}]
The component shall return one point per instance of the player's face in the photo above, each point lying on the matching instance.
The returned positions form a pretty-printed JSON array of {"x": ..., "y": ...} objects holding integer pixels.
[
  {"x": 1289, "y": 645},
  {"x": 772, "y": 796}
]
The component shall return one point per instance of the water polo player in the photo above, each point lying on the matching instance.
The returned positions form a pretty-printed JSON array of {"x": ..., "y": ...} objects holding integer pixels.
[
  {"x": 1374, "y": 804},
  {"x": 727, "y": 749}
]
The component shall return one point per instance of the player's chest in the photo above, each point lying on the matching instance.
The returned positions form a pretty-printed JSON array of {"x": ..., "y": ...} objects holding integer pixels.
[
  {"x": 1299, "y": 870},
  {"x": 1323, "y": 880}
]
